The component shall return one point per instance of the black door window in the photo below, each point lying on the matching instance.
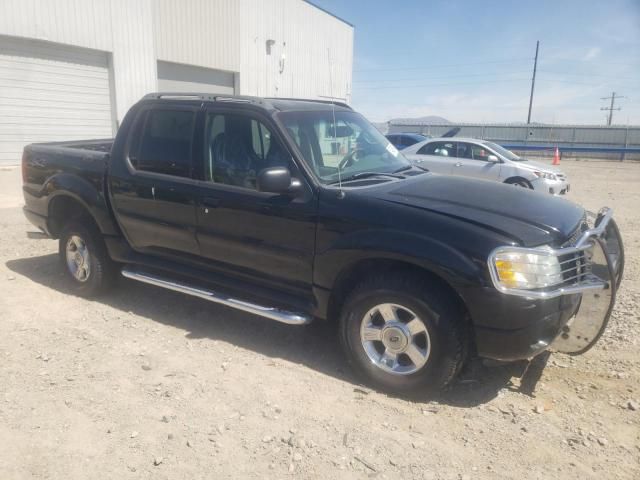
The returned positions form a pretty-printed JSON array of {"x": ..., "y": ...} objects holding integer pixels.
[
  {"x": 464, "y": 150},
  {"x": 165, "y": 144},
  {"x": 237, "y": 148}
]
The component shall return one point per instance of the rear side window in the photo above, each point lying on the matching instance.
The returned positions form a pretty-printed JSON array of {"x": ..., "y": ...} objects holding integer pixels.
[
  {"x": 442, "y": 149},
  {"x": 165, "y": 143}
]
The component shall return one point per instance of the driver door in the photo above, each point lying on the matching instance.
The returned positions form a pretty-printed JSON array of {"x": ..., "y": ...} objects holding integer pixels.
[
  {"x": 473, "y": 161},
  {"x": 267, "y": 238}
]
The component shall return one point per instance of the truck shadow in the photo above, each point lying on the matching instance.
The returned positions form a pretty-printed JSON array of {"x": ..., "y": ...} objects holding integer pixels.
[{"x": 315, "y": 346}]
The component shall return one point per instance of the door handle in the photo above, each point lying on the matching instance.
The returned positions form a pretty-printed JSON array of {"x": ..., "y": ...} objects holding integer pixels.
[
  {"x": 210, "y": 202},
  {"x": 459, "y": 164}
]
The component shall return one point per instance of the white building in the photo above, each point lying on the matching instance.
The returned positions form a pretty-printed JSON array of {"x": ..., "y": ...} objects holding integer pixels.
[{"x": 70, "y": 69}]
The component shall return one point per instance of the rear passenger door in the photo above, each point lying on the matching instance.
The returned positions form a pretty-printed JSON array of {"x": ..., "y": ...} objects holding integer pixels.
[
  {"x": 155, "y": 201},
  {"x": 437, "y": 157}
]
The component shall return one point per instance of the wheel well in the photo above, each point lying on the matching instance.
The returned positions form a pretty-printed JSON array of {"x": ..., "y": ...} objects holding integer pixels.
[
  {"x": 512, "y": 180},
  {"x": 64, "y": 208},
  {"x": 354, "y": 274}
]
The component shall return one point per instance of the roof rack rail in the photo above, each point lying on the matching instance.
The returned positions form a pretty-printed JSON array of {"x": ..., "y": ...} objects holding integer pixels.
[
  {"x": 211, "y": 97},
  {"x": 181, "y": 95},
  {"x": 316, "y": 100}
]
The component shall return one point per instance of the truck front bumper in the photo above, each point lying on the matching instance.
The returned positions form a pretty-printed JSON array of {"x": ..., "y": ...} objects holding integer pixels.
[{"x": 569, "y": 318}]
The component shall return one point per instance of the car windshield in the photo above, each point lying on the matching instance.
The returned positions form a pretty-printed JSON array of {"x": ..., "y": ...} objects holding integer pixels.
[
  {"x": 350, "y": 146},
  {"x": 508, "y": 154}
]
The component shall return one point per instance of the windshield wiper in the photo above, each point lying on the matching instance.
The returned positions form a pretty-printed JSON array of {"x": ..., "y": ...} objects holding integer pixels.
[
  {"x": 403, "y": 169},
  {"x": 357, "y": 176}
]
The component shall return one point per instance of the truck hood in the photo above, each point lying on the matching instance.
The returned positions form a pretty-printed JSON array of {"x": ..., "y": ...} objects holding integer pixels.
[{"x": 528, "y": 217}]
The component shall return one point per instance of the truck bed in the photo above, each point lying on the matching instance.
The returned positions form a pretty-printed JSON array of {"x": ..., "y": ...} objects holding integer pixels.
[
  {"x": 48, "y": 167},
  {"x": 97, "y": 145},
  {"x": 43, "y": 159}
]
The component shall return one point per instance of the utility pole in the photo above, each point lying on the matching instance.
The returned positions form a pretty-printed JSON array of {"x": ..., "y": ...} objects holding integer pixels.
[
  {"x": 533, "y": 81},
  {"x": 610, "y": 107}
]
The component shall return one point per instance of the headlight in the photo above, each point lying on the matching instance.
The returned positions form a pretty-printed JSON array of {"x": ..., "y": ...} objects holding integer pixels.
[
  {"x": 525, "y": 269},
  {"x": 546, "y": 175}
]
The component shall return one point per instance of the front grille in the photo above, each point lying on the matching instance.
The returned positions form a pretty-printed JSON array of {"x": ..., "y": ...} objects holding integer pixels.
[
  {"x": 573, "y": 239},
  {"x": 575, "y": 267}
]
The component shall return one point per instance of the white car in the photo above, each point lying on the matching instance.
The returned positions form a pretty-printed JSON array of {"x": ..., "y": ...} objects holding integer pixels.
[{"x": 470, "y": 157}]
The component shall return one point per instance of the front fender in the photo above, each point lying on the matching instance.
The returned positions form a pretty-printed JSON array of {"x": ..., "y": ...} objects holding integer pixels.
[{"x": 437, "y": 257}]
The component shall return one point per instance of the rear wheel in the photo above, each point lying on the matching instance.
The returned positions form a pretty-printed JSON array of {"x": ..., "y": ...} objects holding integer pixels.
[
  {"x": 403, "y": 333},
  {"x": 84, "y": 259}
]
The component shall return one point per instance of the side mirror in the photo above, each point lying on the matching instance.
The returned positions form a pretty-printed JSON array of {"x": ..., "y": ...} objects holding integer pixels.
[
  {"x": 493, "y": 159},
  {"x": 278, "y": 180}
]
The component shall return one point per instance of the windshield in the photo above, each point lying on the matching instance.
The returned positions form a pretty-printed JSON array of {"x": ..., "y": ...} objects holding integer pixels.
[
  {"x": 508, "y": 154},
  {"x": 352, "y": 144}
]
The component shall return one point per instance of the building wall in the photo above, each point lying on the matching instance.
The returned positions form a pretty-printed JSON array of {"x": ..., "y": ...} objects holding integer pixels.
[
  {"x": 123, "y": 28},
  {"x": 227, "y": 35},
  {"x": 232, "y": 35}
]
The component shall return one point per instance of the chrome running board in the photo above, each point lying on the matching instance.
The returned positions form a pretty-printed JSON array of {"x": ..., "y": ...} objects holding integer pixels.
[{"x": 272, "y": 313}]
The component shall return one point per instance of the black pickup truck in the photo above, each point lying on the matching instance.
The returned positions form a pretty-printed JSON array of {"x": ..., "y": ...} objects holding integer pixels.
[{"x": 296, "y": 210}]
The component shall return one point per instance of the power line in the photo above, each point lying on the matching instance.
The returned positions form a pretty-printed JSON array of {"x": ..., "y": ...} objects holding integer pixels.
[
  {"x": 476, "y": 82},
  {"x": 610, "y": 108},
  {"x": 423, "y": 85},
  {"x": 585, "y": 74},
  {"x": 395, "y": 69},
  {"x": 421, "y": 77}
]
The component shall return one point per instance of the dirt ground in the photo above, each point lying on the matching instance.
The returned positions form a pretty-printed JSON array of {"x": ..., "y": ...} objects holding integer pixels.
[{"x": 147, "y": 383}]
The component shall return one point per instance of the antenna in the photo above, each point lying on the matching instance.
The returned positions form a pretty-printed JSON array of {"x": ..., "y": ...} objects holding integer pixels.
[{"x": 333, "y": 112}]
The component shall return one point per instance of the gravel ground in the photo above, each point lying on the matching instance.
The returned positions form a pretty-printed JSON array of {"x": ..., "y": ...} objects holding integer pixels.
[{"x": 147, "y": 383}]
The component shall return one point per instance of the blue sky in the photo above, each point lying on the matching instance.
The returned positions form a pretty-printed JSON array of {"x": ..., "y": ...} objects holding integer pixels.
[{"x": 472, "y": 60}]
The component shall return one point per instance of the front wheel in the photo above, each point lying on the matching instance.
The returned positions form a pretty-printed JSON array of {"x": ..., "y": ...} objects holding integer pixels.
[
  {"x": 84, "y": 259},
  {"x": 403, "y": 334}
]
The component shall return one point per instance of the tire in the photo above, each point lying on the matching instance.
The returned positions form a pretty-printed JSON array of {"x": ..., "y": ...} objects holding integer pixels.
[
  {"x": 81, "y": 244},
  {"x": 411, "y": 297},
  {"x": 516, "y": 182}
]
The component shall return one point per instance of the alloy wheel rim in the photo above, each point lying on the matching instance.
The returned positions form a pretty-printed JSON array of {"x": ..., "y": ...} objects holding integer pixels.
[
  {"x": 395, "y": 339},
  {"x": 78, "y": 258}
]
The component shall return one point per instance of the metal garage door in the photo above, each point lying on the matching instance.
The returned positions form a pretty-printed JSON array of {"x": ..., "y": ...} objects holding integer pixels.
[
  {"x": 174, "y": 77},
  {"x": 50, "y": 92}
]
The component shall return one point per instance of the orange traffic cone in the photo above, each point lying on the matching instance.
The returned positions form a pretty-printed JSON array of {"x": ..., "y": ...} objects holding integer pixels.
[{"x": 556, "y": 157}]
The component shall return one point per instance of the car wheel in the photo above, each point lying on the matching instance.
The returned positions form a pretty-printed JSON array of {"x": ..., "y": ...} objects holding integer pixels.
[
  {"x": 403, "y": 334},
  {"x": 85, "y": 260}
]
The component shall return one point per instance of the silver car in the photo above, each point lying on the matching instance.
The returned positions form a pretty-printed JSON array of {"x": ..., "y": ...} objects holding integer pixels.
[{"x": 470, "y": 157}]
